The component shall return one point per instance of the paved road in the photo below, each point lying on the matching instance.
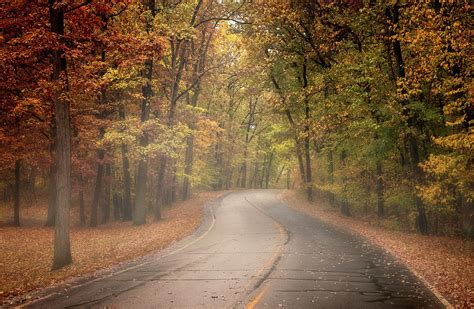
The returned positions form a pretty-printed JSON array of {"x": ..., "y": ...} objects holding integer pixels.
[{"x": 254, "y": 252}]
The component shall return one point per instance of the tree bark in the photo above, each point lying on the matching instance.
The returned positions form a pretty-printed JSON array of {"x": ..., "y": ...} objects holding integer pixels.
[
  {"x": 82, "y": 214},
  {"x": 243, "y": 173},
  {"x": 309, "y": 176},
  {"x": 345, "y": 209},
  {"x": 277, "y": 181},
  {"x": 421, "y": 219},
  {"x": 117, "y": 200},
  {"x": 253, "y": 181},
  {"x": 62, "y": 247},
  {"x": 331, "y": 176},
  {"x": 269, "y": 168},
  {"x": 127, "y": 180},
  {"x": 219, "y": 162},
  {"x": 97, "y": 188},
  {"x": 173, "y": 183},
  {"x": 189, "y": 157},
  {"x": 188, "y": 169},
  {"x": 52, "y": 178},
  {"x": 107, "y": 190},
  {"x": 380, "y": 190},
  {"x": 307, "y": 145},
  {"x": 262, "y": 177},
  {"x": 139, "y": 213},
  {"x": 160, "y": 196},
  {"x": 288, "y": 179},
  {"x": 160, "y": 188}
]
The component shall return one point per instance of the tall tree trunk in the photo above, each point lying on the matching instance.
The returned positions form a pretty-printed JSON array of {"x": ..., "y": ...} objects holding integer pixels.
[
  {"x": 380, "y": 190},
  {"x": 392, "y": 13},
  {"x": 52, "y": 178},
  {"x": 307, "y": 145},
  {"x": 299, "y": 155},
  {"x": 189, "y": 157},
  {"x": 198, "y": 71},
  {"x": 100, "y": 152},
  {"x": 188, "y": 169},
  {"x": 421, "y": 219},
  {"x": 466, "y": 216},
  {"x": 139, "y": 211},
  {"x": 345, "y": 210},
  {"x": 331, "y": 176},
  {"x": 250, "y": 124},
  {"x": 159, "y": 200},
  {"x": 117, "y": 200},
  {"x": 253, "y": 181},
  {"x": 269, "y": 168},
  {"x": 239, "y": 173},
  {"x": 262, "y": 177},
  {"x": 62, "y": 247},
  {"x": 243, "y": 175},
  {"x": 127, "y": 180},
  {"x": 161, "y": 190},
  {"x": 16, "y": 204},
  {"x": 219, "y": 162},
  {"x": 288, "y": 179},
  {"x": 309, "y": 176},
  {"x": 277, "y": 180},
  {"x": 97, "y": 188},
  {"x": 106, "y": 200},
  {"x": 173, "y": 183},
  {"x": 228, "y": 183},
  {"x": 82, "y": 214}
]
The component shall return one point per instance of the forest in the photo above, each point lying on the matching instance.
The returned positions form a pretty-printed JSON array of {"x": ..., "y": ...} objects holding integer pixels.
[{"x": 117, "y": 109}]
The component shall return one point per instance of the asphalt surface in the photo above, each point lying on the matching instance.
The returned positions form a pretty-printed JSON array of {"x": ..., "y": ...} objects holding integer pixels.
[{"x": 252, "y": 251}]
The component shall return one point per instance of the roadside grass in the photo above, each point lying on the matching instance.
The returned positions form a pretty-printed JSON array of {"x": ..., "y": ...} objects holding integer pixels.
[
  {"x": 26, "y": 252},
  {"x": 445, "y": 263}
]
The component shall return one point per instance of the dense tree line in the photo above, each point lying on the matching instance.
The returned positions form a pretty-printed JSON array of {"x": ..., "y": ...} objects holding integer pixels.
[
  {"x": 119, "y": 108},
  {"x": 379, "y": 98}
]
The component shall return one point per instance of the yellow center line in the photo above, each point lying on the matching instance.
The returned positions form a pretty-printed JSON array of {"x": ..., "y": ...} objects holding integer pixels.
[
  {"x": 258, "y": 297},
  {"x": 255, "y": 301}
]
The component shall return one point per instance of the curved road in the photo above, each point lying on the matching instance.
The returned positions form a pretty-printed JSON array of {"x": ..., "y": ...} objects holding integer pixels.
[{"x": 253, "y": 251}]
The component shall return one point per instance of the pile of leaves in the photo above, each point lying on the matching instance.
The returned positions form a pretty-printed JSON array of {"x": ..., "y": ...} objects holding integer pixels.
[
  {"x": 445, "y": 263},
  {"x": 26, "y": 255}
]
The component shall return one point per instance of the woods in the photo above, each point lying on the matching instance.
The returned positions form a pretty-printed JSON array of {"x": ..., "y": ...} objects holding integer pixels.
[
  {"x": 120, "y": 108},
  {"x": 379, "y": 98}
]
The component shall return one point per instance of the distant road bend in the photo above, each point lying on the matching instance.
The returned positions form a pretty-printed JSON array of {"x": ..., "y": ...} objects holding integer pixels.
[{"x": 252, "y": 251}]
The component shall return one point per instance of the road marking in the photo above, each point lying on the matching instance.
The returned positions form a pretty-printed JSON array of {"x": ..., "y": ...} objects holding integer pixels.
[
  {"x": 197, "y": 239},
  {"x": 281, "y": 233},
  {"x": 258, "y": 297}
]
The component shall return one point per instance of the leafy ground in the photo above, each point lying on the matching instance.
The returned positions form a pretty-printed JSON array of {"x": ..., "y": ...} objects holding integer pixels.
[
  {"x": 447, "y": 264},
  {"x": 26, "y": 252}
]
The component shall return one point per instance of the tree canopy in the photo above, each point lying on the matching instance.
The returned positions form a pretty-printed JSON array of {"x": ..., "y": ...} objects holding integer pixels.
[{"x": 121, "y": 107}]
